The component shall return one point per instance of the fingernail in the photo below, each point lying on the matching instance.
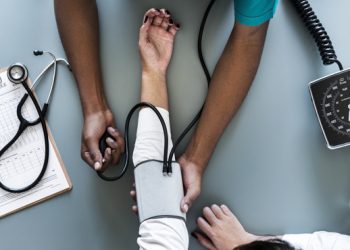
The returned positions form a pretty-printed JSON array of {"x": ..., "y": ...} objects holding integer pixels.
[
  {"x": 193, "y": 234},
  {"x": 185, "y": 208},
  {"x": 146, "y": 18},
  {"x": 109, "y": 151},
  {"x": 97, "y": 166},
  {"x": 171, "y": 21},
  {"x": 109, "y": 139},
  {"x": 103, "y": 160}
]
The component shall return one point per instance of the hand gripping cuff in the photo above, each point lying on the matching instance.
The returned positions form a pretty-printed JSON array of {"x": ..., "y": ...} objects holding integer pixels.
[{"x": 158, "y": 195}]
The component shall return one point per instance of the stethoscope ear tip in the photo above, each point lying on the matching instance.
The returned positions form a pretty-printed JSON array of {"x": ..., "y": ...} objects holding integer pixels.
[{"x": 38, "y": 52}]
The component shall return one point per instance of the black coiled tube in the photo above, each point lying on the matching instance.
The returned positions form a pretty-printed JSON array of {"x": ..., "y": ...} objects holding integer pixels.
[{"x": 318, "y": 32}]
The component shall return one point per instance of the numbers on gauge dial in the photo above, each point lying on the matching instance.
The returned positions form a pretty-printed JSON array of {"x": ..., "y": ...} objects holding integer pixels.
[{"x": 336, "y": 106}]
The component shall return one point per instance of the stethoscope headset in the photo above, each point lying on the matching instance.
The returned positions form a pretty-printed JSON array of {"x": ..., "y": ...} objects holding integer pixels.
[{"x": 18, "y": 74}]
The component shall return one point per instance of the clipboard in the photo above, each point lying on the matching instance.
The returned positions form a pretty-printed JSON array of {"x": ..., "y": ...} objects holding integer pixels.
[{"x": 47, "y": 188}]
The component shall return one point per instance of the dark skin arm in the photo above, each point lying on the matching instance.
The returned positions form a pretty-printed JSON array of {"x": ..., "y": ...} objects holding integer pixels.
[
  {"x": 233, "y": 75},
  {"x": 78, "y": 26}
]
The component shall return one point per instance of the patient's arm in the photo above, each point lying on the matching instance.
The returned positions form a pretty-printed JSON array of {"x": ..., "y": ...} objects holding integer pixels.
[{"x": 160, "y": 230}]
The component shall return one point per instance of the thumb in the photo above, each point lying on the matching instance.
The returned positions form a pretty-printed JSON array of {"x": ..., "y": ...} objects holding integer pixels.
[
  {"x": 205, "y": 242},
  {"x": 95, "y": 154},
  {"x": 191, "y": 194}
]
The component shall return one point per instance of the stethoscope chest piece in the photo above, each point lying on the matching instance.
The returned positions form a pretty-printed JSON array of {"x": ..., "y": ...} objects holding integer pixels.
[{"x": 17, "y": 73}]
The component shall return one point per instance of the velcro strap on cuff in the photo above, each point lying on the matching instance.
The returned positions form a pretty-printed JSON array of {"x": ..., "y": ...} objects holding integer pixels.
[{"x": 158, "y": 195}]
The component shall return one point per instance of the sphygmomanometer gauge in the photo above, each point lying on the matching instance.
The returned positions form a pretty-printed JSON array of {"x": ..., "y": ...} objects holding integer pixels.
[{"x": 331, "y": 99}]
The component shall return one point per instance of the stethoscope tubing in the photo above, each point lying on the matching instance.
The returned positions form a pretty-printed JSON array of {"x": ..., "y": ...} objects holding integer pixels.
[
  {"x": 24, "y": 124},
  {"x": 127, "y": 150},
  {"x": 46, "y": 140}
]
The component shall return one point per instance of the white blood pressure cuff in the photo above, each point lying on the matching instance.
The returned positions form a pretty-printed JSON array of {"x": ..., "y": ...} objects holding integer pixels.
[{"x": 158, "y": 195}]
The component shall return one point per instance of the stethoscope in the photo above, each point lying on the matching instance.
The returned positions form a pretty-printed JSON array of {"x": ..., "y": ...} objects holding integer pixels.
[{"x": 18, "y": 74}]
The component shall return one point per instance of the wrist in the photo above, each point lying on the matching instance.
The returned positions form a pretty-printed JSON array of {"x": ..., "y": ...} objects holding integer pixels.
[
  {"x": 94, "y": 106},
  {"x": 251, "y": 238},
  {"x": 195, "y": 154},
  {"x": 92, "y": 96},
  {"x": 153, "y": 75},
  {"x": 195, "y": 160}
]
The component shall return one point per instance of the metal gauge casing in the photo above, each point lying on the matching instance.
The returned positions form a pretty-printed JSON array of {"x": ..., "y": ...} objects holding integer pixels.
[{"x": 331, "y": 98}]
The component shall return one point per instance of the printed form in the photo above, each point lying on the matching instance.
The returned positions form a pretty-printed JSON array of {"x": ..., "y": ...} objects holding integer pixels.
[{"x": 22, "y": 163}]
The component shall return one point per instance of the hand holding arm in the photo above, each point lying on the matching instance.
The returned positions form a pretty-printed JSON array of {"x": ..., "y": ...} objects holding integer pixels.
[{"x": 231, "y": 80}]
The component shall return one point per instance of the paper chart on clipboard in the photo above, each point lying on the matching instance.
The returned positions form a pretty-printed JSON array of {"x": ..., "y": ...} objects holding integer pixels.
[{"x": 23, "y": 161}]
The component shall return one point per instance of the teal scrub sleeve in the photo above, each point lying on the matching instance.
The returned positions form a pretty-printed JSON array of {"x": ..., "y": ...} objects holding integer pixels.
[{"x": 254, "y": 12}]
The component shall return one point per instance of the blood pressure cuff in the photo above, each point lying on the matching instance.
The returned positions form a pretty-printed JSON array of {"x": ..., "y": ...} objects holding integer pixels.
[{"x": 158, "y": 195}]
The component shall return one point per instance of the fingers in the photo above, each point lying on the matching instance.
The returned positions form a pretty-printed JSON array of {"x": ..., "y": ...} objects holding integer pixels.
[
  {"x": 158, "y": 17},
  {"x": 167, "y": 22},
  {"x": 114, "y": 152},
  {"x": 116, "y": 144},
  {"x": 135, "y": 209},
  {"x": 147, "y": 22},
  {"x": 149, "y": 15},
  {"x": 227, "y": 211},
  {"x": 107, "y": 157},
  {"x": 174, "y": 28},
  {"x": 133, "y": 195},
  {"x": 85, "y": 155},
  {"x": 217, "y": 211},
  {"x": 192, "y": 193},
  {"x": 112, "y": 143},
  {"x": 204, "y": 241},
  {"x": 209, "y": 216},
  {"x": 204, "y": 226},
  {"x": 117, "y": 136}
]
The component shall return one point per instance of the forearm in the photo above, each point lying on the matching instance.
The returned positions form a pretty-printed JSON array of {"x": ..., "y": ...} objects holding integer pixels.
[
  {"x": 231, "y": 80},
  {"x": 154, "y": 90},
  {"x": 78, "y": 26}
]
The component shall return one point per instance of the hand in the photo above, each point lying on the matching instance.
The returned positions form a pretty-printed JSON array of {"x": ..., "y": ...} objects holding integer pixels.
[
  {"x": 95, "y": 125},
  {"x": 192, "y": 178},
  {"x": 221, "y": 230},
  {"x": 156, "y": 40}
]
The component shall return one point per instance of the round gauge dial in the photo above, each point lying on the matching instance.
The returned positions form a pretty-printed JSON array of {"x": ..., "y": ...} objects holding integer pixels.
[{"x": 336, "y": 106}]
